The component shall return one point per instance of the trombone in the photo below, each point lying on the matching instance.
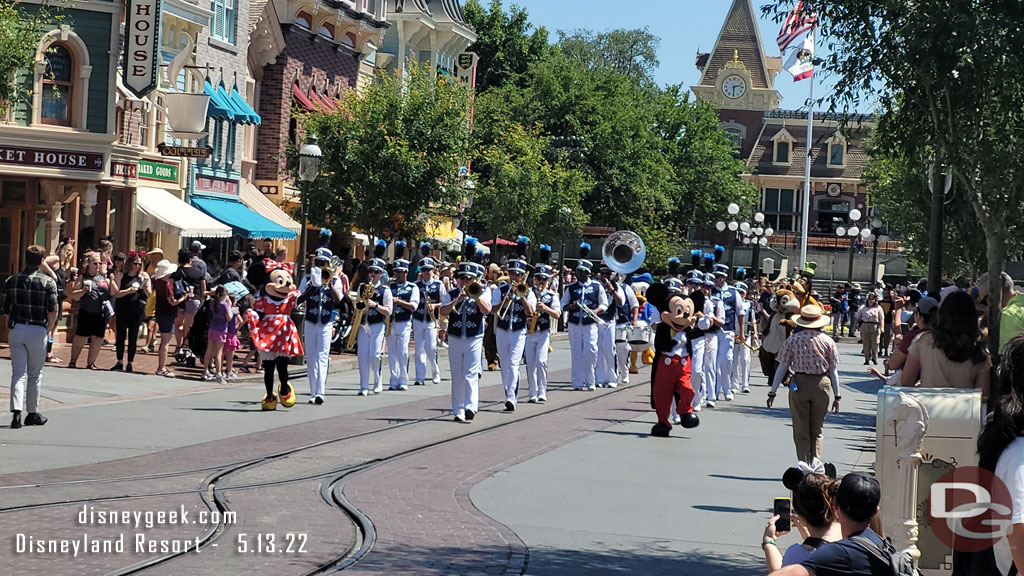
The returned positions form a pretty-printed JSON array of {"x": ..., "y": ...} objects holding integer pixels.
[
  {"x": 520, "y": 290},
  {"x": 473, "y": 290}
]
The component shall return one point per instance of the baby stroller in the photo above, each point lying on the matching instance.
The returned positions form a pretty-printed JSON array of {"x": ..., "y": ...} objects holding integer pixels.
[{"x": 197, "y": 340}]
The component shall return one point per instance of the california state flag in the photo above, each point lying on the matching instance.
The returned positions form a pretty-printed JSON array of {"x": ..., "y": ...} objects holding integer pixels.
[{"x": 800, "y": 62}]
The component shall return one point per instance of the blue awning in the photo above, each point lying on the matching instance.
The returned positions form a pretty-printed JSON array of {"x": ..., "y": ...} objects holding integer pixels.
[
  {"x": 243, "y": 221},
  {"x": 244, "y": 113},
  {"x": 220, "y": 105}
]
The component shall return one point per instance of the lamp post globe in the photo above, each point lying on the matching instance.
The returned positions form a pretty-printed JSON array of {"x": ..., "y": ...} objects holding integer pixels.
[
  {"x": 309, "y": 168},
  {"x": 720, "y": 226},
  {"x": 734, "y": 208}
]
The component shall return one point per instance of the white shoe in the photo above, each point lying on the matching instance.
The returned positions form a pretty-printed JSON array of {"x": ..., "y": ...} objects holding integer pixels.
[
  {"x": 697, "y": 408},
  {"x": 232, "y": 375},
  {"x": 591, "y": 387},
  {"x": 542, "y": 399},
  {"x": 711, "y": 403},
  {"x": 729, "y": 397},
  {"x": 436, "y": 380},
  {"x": 532, "y": 400},
  {"x": 377, "y": 389},
  {"x": 364, "y": 392},
  {"x": 311, "y": 400},
  {"x": 221, "y": 379},
  {"x": 403, "y": 387},
  {"x": 207, "y": 376},
  {"x": 746, "y": 389},
  {"x": 614, "y": 384}
]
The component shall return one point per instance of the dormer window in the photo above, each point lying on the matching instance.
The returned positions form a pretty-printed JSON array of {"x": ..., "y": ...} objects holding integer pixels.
[
  {"x": 327, "y": 31},
  {"x": 349, "y": 41},
  {"x": 782, "y": 143},
  {"x": 303, "y": 20},
  {"x": 836, "y": 151}
]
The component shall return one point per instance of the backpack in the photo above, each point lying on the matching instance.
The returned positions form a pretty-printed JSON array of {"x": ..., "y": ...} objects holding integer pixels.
[
  {"x": 180, "y": 286},
  {"x": 899, "y": 562}
]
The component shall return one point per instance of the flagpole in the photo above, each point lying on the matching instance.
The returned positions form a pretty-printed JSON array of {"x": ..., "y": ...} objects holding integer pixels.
[{"x": 807, "y": 170}]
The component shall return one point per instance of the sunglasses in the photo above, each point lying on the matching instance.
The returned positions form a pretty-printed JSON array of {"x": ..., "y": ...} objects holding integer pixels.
[{"x": 375, "y": 272}]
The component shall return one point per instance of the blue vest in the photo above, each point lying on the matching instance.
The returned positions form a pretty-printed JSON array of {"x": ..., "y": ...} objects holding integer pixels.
[
  {"x": 624, "y": 313},
  {"x": 403, "y": 292},
  {"x": 429, "y": 293},
  {"x": 320, "y": 305},
  {"x": 728, "y": 297},
  {"x": 588, "y": 294},
  {"x": 372, "y": 315},
  {"x": 515, "y": 320},
  {"x": 467, "y": 322},
  {"x": 547, "y": 298}
]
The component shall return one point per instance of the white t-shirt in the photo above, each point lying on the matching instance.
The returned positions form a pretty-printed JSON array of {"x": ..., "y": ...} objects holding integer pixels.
[{"x": 1010, "y": 469}]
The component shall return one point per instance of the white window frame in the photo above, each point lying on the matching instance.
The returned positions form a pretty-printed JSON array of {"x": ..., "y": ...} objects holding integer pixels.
[{"x": 223, "y": 22}]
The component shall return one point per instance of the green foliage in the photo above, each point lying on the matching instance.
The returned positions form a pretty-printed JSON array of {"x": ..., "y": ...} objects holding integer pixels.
[
  {"x": 506, "y": 42},
  {"x": 391, "y": 154},
  {"x": 632, "y": 53},
  {"x": 20, "y": 33}
]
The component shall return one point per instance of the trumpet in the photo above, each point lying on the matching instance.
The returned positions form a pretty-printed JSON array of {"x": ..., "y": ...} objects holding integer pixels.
[
  {"x": 357, "y": 317},
  {"x": 592, "y": 315},
  {"x": 473, "y": 290},
  {"x": 520, "y": 290}
]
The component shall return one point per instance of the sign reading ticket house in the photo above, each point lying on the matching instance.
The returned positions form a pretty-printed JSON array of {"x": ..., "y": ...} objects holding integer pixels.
[{"x": 142, "y": 46}]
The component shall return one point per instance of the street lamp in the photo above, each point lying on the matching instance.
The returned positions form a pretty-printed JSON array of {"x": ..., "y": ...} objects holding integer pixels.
[
  {"x": 733, "y": 226},
  {"x": 309, "y": 169},
  {"x": 855, "y": 229},
  {"x": 757, "y": 235}
]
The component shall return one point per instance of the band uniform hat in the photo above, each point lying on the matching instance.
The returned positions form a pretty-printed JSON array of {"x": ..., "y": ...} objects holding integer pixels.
[
  {"x": 516, "y": 265},
  {"x": 741, "y": 287},
  {"x": 478, "y": 269},
  {"x": 401, "y": 264},
  {"x": 721, "y": 270},
  {"x": 695, "y": 277},
  {"x": 426, "y": 263},
  {"x": 709, "y": 279},
  {"x": 811, "y": 316},
  {"x": 542, "y": 271},
  {"x": 376, "y": 264},
  {"x": 466, "y": 270}
]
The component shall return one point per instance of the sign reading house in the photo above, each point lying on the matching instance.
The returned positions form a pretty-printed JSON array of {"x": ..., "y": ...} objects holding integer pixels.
[{"x": 142, "y": 46}]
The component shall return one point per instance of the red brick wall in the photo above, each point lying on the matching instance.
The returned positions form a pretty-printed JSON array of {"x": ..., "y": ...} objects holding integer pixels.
[{"x": 308, "y": 60}]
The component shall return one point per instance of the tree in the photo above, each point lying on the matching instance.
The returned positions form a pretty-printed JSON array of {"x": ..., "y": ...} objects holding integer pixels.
[
  {"x": 632, "y": 53},
  {"x": 391, "y": 154},
  {"x": 506, "y": 42},
  {"x": 21, "y": 27},
  {"x": 950, "y": 72}
]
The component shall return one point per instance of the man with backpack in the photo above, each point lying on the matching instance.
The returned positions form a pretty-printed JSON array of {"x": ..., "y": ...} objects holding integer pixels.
[{"x": 861, "y": 552}]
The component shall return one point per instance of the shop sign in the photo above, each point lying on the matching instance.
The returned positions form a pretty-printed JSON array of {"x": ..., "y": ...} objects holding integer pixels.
[
  {"x": 142, "y": 46},
  {"x": 185, "y": 151},
  {"x": 51, "y": 158},
  {"x": 216, "y": 185},
  {"x": 158, "y": 171},
  {"x": 124, "y": 169}
]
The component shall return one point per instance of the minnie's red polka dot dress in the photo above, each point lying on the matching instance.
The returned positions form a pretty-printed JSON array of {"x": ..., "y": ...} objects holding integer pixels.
[{"x": 275, "y": 334}]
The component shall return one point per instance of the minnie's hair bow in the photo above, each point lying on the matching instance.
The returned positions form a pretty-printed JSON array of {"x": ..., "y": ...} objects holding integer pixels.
[{"x": 271, "y": 265}]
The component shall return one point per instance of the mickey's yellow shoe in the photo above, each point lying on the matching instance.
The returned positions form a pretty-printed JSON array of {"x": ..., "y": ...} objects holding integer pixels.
[
  {"x": 270, "y": 402},
  {"x": 287, "y": 398}
]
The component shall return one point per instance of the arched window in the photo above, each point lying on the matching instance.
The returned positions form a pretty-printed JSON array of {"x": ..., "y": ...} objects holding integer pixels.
[
  {"x": 303, "y": 20},
  {"x": 57, "y": 87},
  {"x": 327, "y": 31},
  {"x": 349, "y": 41}
]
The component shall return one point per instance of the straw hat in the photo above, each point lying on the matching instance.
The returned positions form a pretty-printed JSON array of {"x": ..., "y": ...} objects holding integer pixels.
[
  {"x": 164, "y": 268},
  {"x": 812, "y": 317}
]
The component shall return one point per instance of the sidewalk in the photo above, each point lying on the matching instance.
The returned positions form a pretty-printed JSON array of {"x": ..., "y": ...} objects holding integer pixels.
[{"x": 621, "y": 501}]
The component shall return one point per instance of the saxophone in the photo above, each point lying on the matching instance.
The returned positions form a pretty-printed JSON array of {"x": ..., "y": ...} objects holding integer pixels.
[
  {"x": 357, "y": 317},
  {"x": 531, "y": 327}
]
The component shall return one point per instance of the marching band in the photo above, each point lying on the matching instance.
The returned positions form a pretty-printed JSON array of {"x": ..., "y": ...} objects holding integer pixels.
[{"x": 607, "y": 318}]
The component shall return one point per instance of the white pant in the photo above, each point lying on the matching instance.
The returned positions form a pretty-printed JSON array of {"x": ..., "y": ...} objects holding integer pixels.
[
  {"x": 425, "y": 336},
  {"x": 741, "y": 370},
  {"x": 622, "y": 351},
  {"x": 711, "y": 367},
  {"x": 605, "y": 372},
  {"x": 536, "y": 357},
  {"x": 583, "y": 346},
  {"x": 317, "y": 341},
  {"x": 726, "y": 349},
  {"x": 511, "y": 345},
  {"x": 398, "y": 353},
  {"x": 697, "y": 371},
  {"x": 464, "y": 361},
  {"x": 371, "y": 349},
  {"x": 28, "y": 356}
]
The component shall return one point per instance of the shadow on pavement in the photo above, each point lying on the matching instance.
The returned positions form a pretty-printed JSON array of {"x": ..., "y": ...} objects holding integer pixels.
[{"x": 744, "y": 478}]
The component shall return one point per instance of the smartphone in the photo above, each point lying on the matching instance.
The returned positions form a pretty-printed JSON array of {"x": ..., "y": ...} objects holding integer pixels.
[{"x": 782, "y": 508}]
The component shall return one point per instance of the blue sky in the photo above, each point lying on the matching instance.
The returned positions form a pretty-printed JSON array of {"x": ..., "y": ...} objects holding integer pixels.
[{"x": 684, "y": 26}]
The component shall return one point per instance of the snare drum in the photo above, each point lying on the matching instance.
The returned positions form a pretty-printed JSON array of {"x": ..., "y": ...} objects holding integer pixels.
[
  {"x": 640, "y": 337},
  {"x": 622, "y": 333}
]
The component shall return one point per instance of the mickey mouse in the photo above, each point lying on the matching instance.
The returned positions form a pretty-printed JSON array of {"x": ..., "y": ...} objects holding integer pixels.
[{"x": 670, "y": 373}]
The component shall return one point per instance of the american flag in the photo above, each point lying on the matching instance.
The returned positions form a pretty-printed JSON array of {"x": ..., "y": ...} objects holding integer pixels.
[{"x": 798, "y": 22}]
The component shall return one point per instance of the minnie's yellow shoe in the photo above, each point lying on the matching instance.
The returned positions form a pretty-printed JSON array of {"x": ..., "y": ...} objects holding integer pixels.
[
  {"x": 270, "y": 402},
  {"x": 287, "y": 399}
]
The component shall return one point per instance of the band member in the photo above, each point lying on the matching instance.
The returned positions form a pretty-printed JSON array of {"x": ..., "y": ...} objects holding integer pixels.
[
  {"x": 424, "y": 322},
  {"x": 465, "y": 306},
  {"x": 371, "y": 331},
  {"x": 733, "y": 323},
  {"x": 406, "y": 298},
  {"x": 539, "y": 340},
  {"x": 513, "y": 304},
  {"x": 626, "y": 315},
  {"x": 672, "y": 280},
  {"x": 712, "y": 388},
  {"x": 697, "y": 335},
  {"x": 584, "y": 300},
  {"x": 605, "y": 371},
  {"x": 745, "y": 340},
  {"x": 321, "y": 291}
]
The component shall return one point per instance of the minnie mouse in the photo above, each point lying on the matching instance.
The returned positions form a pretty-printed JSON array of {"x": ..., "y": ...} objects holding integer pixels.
[
  {"x": 273, "y": 332},
  {"x": 670, "y": 373}
]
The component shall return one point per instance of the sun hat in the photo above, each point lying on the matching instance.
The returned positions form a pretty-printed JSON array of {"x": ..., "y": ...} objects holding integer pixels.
[
  {"x": 164, "y": 268},
  {"x": 811, "y": 316}
]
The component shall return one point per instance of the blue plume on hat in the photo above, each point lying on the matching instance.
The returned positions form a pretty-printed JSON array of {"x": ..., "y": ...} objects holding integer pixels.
[
  {"x": 425, "y": 248},
  {"x": 470, "y": 250},
  {"x": 380, "y": 248},
  {"x": 741, "y": 273},
  {"x": 709, "y": 259},
  {"x": 522, "y": 243},
  {"x": 719, "y": 252},
  {"x": 584, "y": 250},
  {"x": 399, "y": 249},
  {"x": 673, "y": 265},
  {"x": 325, "y": 231},
  {"x": 544, "y": 253},
  {"x": 695, "y": 256}
]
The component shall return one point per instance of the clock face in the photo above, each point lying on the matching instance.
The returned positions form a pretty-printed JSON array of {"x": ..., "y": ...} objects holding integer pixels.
[
  {"x": 734, "y": 87},
  {"x": 834, "y": 190}
]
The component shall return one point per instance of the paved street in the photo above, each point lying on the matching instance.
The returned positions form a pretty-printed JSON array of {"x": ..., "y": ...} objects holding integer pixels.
[{"x": 575, "y": 486}]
